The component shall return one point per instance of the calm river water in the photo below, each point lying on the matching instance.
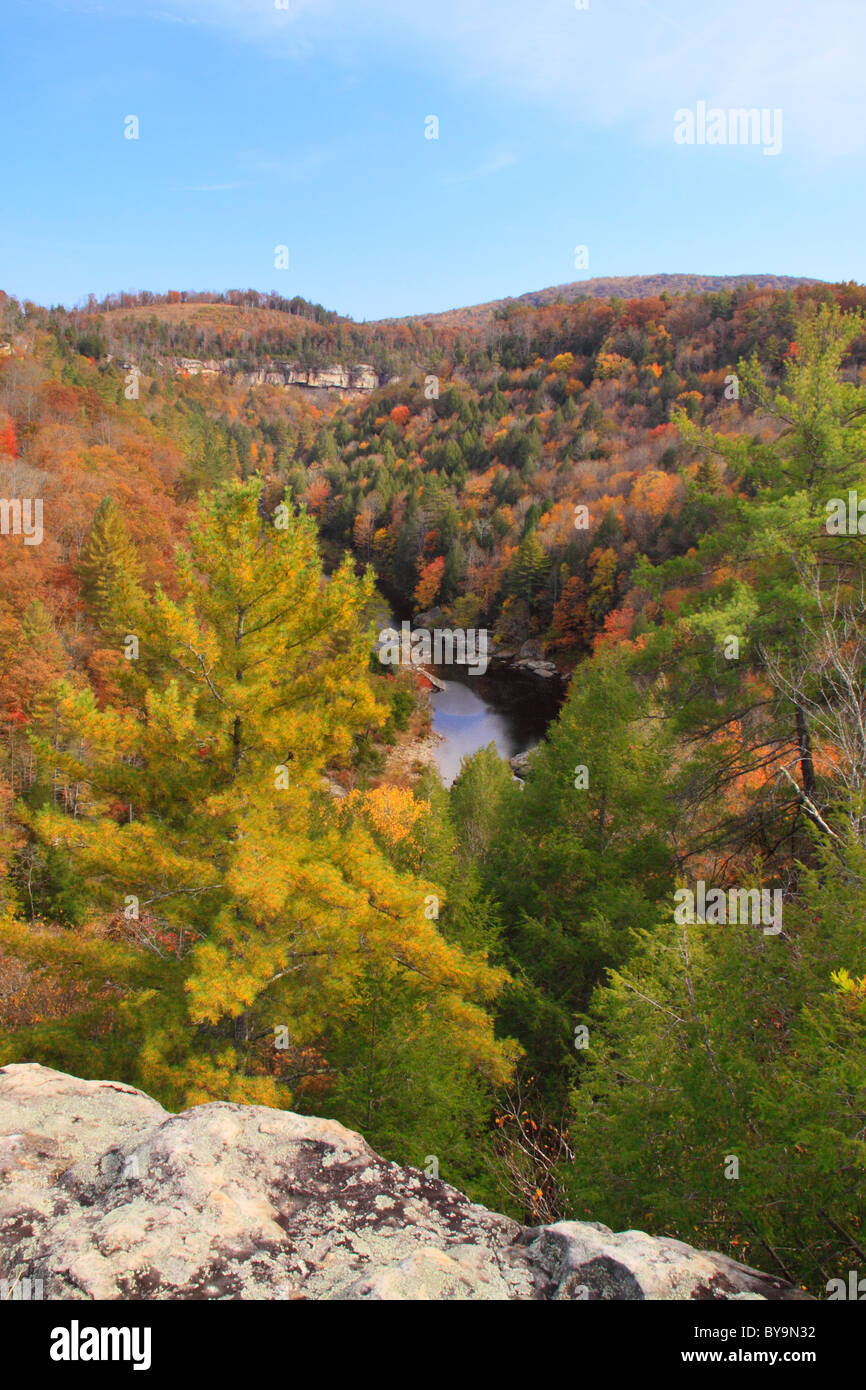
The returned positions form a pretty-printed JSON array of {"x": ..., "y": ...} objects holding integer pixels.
[
  {"x": 476, "y": 710},
  {"x": 508, "y": 709}
]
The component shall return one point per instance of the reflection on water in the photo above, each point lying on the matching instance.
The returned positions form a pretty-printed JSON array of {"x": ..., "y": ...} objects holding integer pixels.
[
  {"x": 505, "y": 707},
  {"x": 476, "y": 710}
]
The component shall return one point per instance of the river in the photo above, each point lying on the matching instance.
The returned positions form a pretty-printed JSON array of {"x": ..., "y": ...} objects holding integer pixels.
[
  {"x": 473, "y": 711},
  {"x": 510, "y": 708}
]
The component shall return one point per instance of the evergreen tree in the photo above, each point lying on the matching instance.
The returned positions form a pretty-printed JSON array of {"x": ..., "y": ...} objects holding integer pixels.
[
  {"x": 768, "y": 601},
  {"x": 401, "y": 1077},
  {"x": 580, "y": 859},
  {"x": 108, "y": 569},
  {"x": 247, "y": 902},
  {"x": 724, "y": 1095},
  {"x": 529, "y": 568}
]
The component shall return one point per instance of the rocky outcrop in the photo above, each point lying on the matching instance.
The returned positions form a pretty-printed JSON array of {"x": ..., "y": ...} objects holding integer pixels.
[
  {"x": 104, "y": 1195},
  {"x": 528, "y": 664},
  {"x": 521, "y": 764},
  {"x": 361, "y": 377},
  {"x": 547, "y": 670}
]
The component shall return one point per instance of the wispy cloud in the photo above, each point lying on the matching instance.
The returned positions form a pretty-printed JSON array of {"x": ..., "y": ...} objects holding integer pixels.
[
  {"x": 296, "y": 167},
  {"x": 176, "y": 18},
  {"x": 502, "y": 159},
  {"x": 262, "y": 168},
  {"x": 620, "y": 62},
  {"x": 209, "y": 187}
]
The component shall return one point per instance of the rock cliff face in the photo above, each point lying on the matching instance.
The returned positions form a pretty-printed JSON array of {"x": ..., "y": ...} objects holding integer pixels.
[
  {"x": 103, "y": 1194},
  {"x": 361, "y": 377}
]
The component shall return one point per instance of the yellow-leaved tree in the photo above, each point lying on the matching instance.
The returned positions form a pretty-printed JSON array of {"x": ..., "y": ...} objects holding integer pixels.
[{"x": 235, "y": 911}]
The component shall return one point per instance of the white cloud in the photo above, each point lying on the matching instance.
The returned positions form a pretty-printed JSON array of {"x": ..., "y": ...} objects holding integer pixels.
[{"x": 621, "y": 62}]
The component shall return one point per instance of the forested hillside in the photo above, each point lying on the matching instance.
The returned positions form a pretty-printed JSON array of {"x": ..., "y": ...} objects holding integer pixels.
[
  {"x": 501, "y": 976},
  {"x": 613, "y": 287}
]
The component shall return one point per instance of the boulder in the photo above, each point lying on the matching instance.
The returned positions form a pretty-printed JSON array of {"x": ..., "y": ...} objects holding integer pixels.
[
  {"x": 105, "y": 1195},
  {"x": 432, "y": 618},
  {"x": 545, "y": 669},
  {"x": 520, "y": 764}
]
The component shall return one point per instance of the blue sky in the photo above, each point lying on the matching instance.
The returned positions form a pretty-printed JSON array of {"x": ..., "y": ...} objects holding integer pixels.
[{"x": 305, "y": 127}]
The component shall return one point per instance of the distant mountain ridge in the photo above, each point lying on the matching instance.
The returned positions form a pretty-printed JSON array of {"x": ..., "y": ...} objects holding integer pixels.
[
  {"x": 267, "y": 337},
  {"x": 608, "y": 287}
]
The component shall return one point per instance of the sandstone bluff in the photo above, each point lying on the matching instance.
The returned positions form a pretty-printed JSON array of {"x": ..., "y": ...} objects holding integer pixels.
[{"x": 105, "y": 1195}]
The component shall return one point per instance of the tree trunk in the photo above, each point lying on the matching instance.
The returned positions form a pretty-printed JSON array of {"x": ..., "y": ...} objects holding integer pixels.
[{"x": 804, "y": 743}]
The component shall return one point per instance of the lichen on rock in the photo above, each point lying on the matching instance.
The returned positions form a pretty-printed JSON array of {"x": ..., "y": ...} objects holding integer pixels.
[{"x": 105, "y": 1195}]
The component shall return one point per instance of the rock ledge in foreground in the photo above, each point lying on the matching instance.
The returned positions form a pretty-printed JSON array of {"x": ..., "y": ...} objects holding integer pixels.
[{"x": 103, "y": 1194}]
